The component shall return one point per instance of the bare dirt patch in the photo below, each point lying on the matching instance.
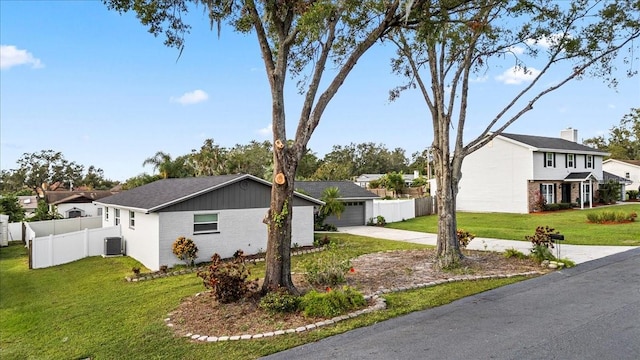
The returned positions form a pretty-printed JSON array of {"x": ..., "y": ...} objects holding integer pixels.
[{"x": 372, "y": 272}]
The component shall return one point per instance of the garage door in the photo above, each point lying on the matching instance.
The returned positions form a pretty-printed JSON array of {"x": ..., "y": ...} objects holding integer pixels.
[{"x": 353, "y": 215}]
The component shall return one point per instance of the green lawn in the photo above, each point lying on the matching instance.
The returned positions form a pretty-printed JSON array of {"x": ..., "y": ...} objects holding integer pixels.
[
  {"x": 86, "y": 309},
  {"x": 573, "y": 224}
]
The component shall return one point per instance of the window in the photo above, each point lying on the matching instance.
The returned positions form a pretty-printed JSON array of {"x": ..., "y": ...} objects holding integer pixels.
[
  {"x": 547, "y": 192},
  {"x": 99, "y": 211},
  {"x": 132, "y": 219},
  {"x": 589, "y": 161},
  {"x": 117, "y": 217},
  {"x": 549, "y": 158},
  {"x": 570, "y": 160},
  {"x": 205, "y": 223},
  {"x": 627, "y": 175},
  {"x": 106, "y": 213}
]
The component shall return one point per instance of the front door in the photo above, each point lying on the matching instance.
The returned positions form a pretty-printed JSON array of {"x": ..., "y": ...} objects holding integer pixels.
[{"x": 566, "y": 193}]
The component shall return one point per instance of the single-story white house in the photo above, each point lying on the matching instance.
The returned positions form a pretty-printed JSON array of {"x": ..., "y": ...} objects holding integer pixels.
[
  {"x": 72, "y": 204},
  {"x": 627, "y": 169},
  {"x": 221, "y": 214}
]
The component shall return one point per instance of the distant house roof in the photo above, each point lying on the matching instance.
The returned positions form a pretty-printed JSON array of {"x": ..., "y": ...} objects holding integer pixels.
[
  {"x": 548, "y": 143},
  {"x": 28, "y": 202},
  {"x": 166, "y": 192},
  {"x": 62, "y": 197},
  {"x": 348, "y": 189},
  {"x": 635, "y": 163},
  {"x": 607, "y": 176}
]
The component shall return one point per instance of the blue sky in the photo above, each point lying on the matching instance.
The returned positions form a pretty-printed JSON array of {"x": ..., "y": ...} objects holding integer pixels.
[{"x": 98, "y": 87}]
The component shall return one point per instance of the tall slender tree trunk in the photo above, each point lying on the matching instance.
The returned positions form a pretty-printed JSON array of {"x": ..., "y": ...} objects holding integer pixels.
[{"x": 448, "y": 253}]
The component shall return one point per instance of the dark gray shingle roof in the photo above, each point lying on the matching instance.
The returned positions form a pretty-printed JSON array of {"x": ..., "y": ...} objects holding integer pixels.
[
  {"x": 167, "y": 191},
  {"x": 348, "y": 189},
  {"x": 579, "y": 176},
  {"x": 549, "y": 143}
]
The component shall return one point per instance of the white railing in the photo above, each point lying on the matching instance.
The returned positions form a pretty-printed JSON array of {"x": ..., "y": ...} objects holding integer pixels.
[{"x": 54, "y": 250}]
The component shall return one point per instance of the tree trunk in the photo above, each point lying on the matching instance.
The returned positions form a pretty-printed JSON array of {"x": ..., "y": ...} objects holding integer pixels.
[
  {"x": 448, "y": 253},
  {"x": 278, "y": 257}
]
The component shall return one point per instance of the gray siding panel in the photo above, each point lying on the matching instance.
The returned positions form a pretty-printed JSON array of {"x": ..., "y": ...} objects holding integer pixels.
[{"x": 245, "y": 194}]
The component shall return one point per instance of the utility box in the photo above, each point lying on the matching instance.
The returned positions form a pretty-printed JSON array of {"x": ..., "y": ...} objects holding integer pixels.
[{"x": 113, "y": 246}]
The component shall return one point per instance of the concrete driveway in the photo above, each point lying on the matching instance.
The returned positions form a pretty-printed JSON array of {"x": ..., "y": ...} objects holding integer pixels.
[{"x": 577, "y": 253}]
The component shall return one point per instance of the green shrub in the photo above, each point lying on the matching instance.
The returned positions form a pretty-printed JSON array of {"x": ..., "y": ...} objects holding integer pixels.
[
  {"x": 185, "y": 249},
  {"x": 228, "y": 279},
  {"x": 553, "y": 207},
  {"x": 513, "y": 253},
  {"x": 632, "y": 194},
  {"x": 380, "y": 220},
  {"x": 327, "y": 268},
  {"x": 567, "y": 263},
  {"x": 280, "y": 301},
  {"x": 331, "y": 303},
  {"x": 593, "y": 217},
  {"x": 323, "y": 241},
  {"x": 611, "y": 217},
  {"x": 540, "y": 253},
  {"x": 464, "y": 237}
]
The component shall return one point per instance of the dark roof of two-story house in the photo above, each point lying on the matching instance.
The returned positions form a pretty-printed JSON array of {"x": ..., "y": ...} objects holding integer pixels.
[
  {"x": 567, "y": 144},
  {"x": 542, "y": 143}
]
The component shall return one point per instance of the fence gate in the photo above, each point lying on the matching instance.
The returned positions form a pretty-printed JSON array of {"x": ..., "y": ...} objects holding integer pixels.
[{"x": 425, "y": 206}]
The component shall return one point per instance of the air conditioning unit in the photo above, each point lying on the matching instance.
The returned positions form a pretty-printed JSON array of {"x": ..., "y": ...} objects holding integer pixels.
[{"x": 113, "y": 246}]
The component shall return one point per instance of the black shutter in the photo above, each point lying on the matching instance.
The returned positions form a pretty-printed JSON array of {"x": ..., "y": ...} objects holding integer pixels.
[
  {"x": 585, "y": 161},
  {"x": 555, "y": 193},
  {"x": 575, "y": 160},
  {"x": 566, "y": 160},
  {"x": 554, "y": 159},
  {"x": 544, "y": 159}
]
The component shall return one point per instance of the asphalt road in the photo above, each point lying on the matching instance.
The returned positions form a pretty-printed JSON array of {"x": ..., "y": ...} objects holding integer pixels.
[{"x": 591, "y": 311}]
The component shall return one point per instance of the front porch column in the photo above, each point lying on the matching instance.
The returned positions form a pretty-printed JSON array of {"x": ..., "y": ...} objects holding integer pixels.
[
  {"x": 581, "y": 195},
  {"x": 590, "y": 194}
]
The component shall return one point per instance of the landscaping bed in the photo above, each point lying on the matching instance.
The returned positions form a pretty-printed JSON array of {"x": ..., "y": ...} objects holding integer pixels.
[{"x": 371, "y": 273}]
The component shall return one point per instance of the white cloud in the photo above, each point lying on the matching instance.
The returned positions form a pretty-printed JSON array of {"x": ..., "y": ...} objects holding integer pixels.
[
  {"x": 11, "y": 56},
  {"x": 479, "y": 79},
  {"x": 517, "y": 75},
  {"x": 266, "y": 131},
  {"x": 518, "y": 50},
  {"x": 190, "y": 98},
  {"x": 546, "y": 41}
]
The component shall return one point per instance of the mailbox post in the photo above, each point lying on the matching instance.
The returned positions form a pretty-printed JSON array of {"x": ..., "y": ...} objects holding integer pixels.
[{"x": 556, "y": 238}]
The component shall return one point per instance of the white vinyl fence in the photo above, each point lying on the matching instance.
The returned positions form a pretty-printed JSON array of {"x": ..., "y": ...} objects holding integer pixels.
[
  {"x": 394, "y": 210},
  {"x": 63, "y": 226},
  {"x": 4, "y": 230},
  {"x": 51, "y": 250}
]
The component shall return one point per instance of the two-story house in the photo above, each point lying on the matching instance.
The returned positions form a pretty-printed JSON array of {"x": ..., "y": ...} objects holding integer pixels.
[{"x": 513, "y": 171}]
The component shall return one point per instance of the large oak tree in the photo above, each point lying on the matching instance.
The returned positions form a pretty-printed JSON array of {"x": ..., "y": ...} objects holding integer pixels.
[
  {"x": 298, "y": 38},
  {"x": 440, "y": 52}
]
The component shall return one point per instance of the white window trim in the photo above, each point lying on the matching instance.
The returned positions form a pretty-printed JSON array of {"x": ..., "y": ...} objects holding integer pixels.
[
  {"x": 589, "y": 161},
  {"x": 116, "y": 217},
  {"x": 550, "y": 186},
  {"x": 106, "y": 213},
  {"x": 132, "y": 220},
  {"x": 549, "y": 160},
  {"x": 570, "y": 160},
  {"x": 217, "y": 222}
]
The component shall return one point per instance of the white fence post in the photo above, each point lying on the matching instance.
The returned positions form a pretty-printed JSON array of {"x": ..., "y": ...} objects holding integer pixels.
[
  {"x": 51, "y": 256},
  {"x": 86, "y": 242}
]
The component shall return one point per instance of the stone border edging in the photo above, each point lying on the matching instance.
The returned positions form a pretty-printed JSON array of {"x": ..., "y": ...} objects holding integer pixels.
[
  {"x": 380, "y": 303},
  {"x": 158, "y": 275}
]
